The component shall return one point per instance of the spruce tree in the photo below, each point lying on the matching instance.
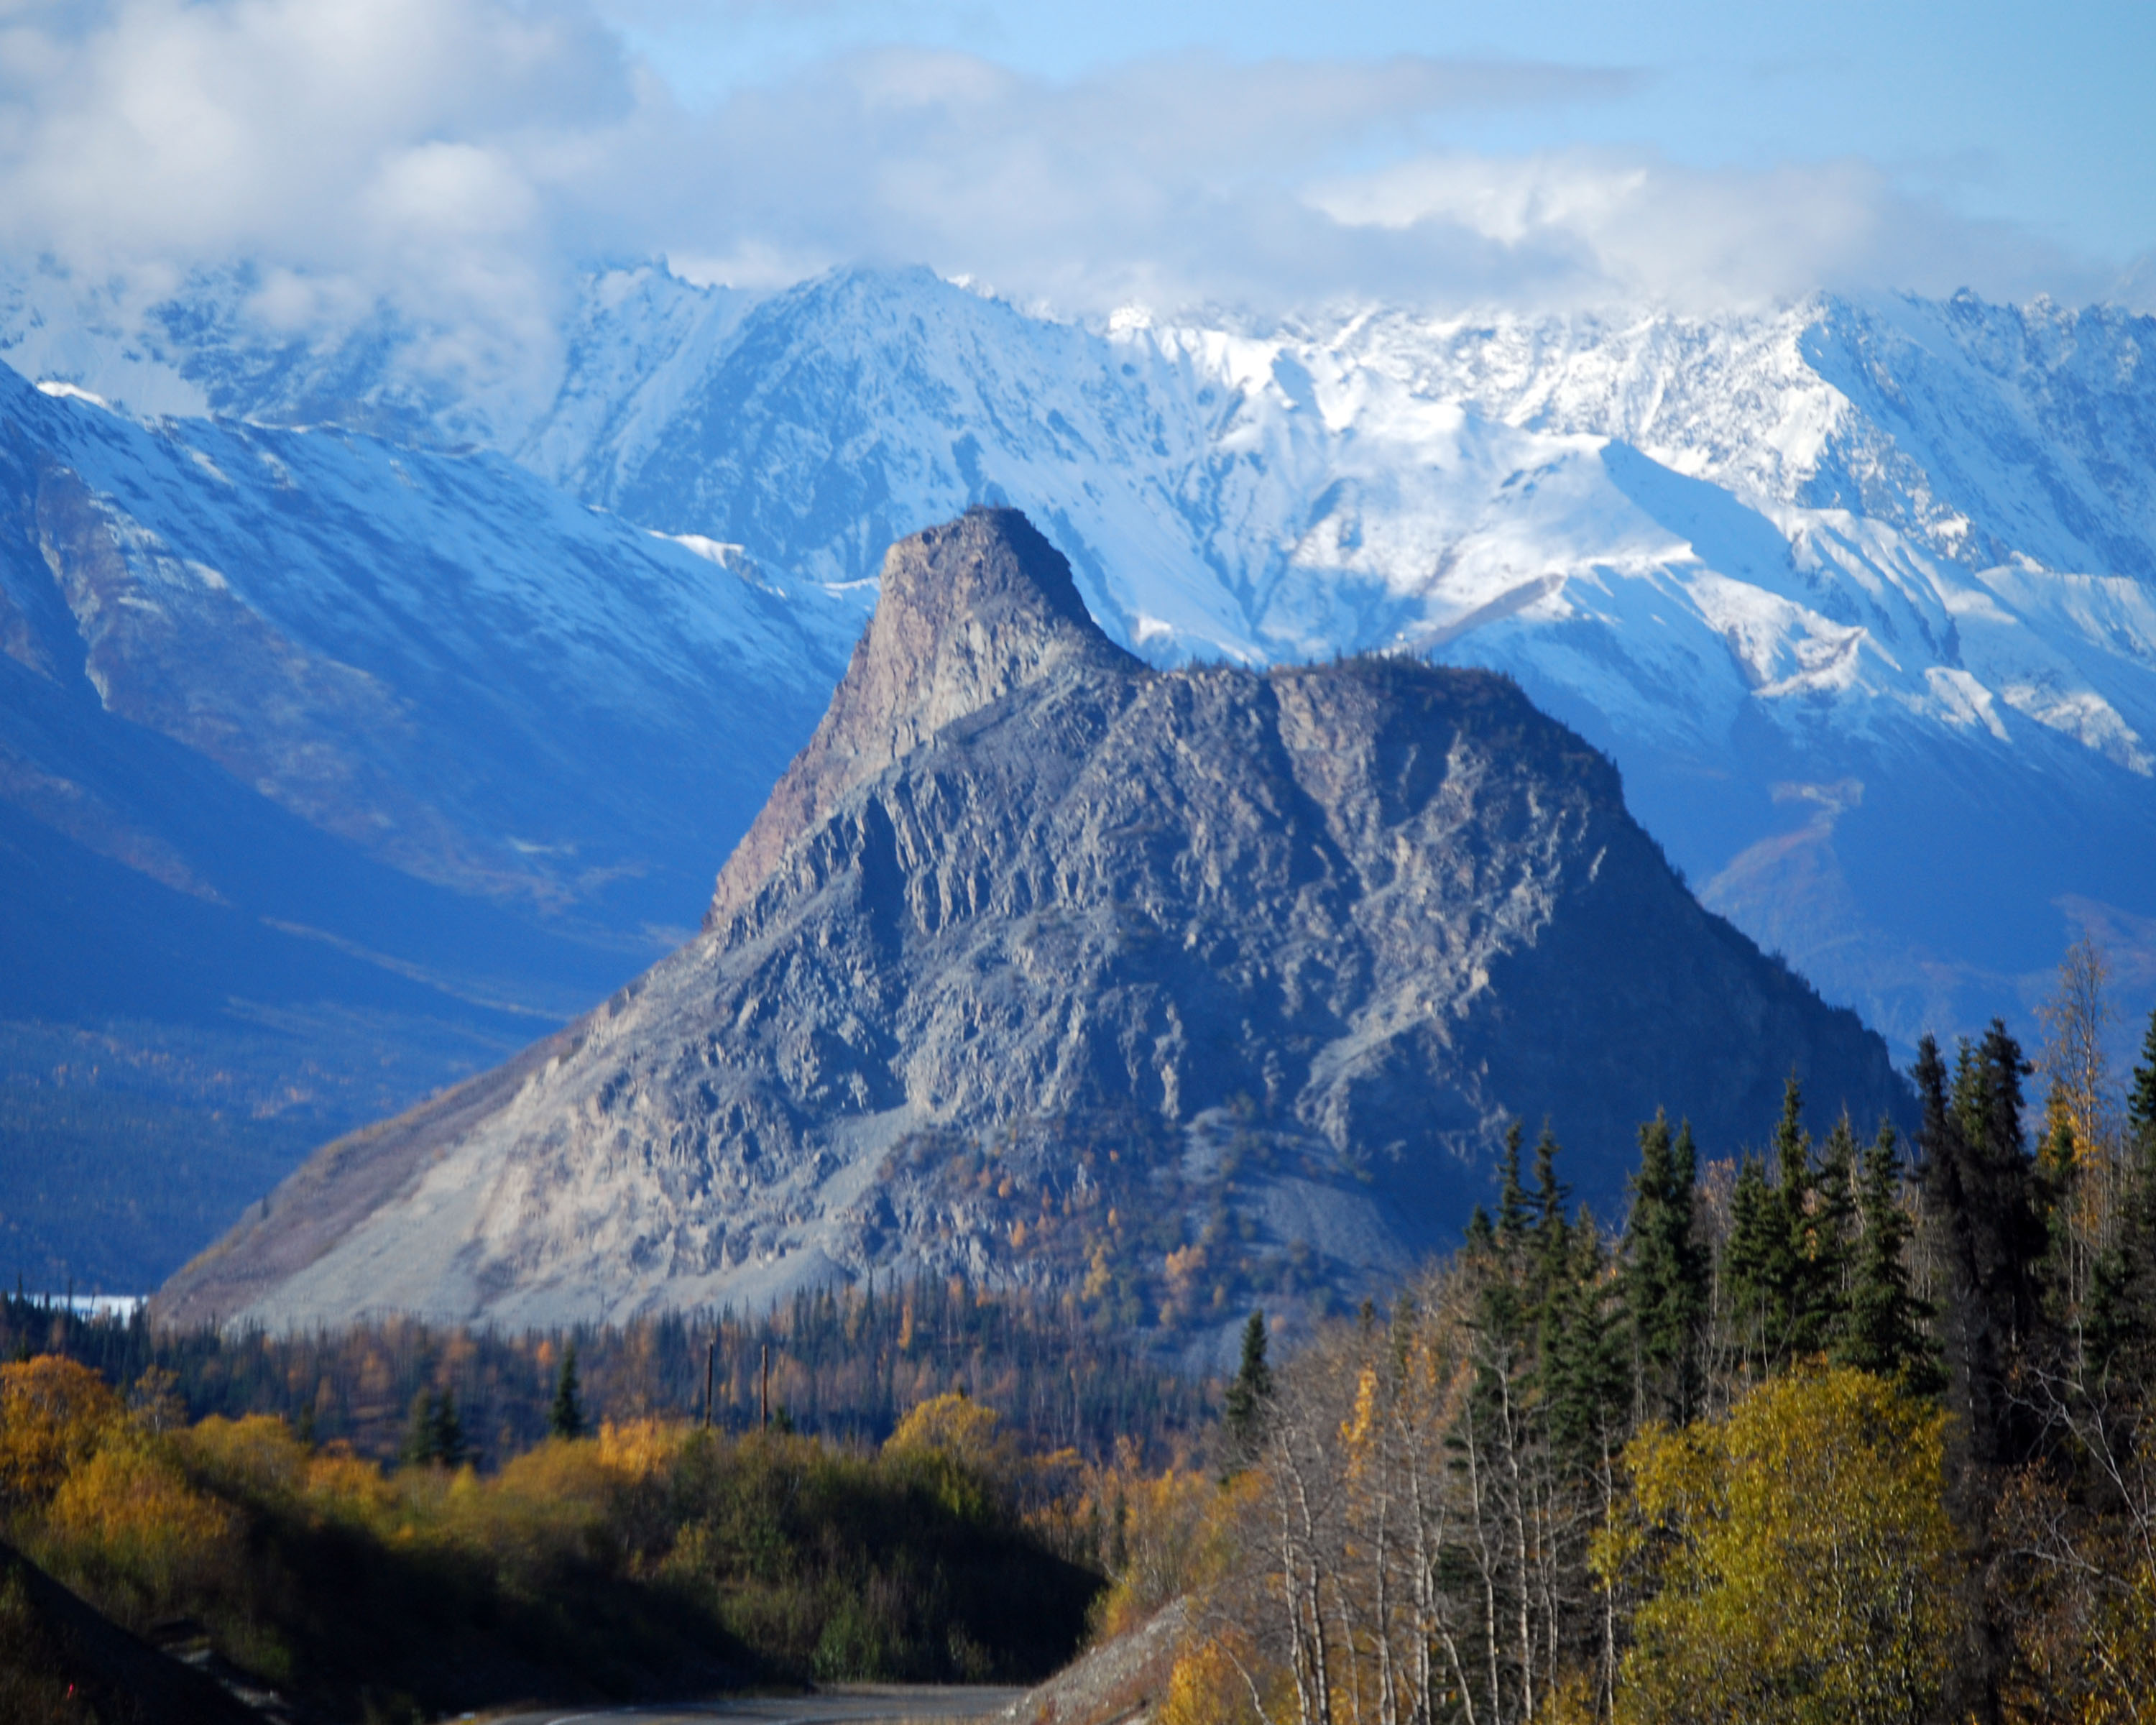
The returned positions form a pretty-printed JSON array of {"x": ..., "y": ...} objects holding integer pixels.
[
  {"x": 1789, "y": 1272},
  {"x": 1250, "y": 1397},
  {"x": 1766, "y": 1261},
  {"x": 1666, "y": 1273},
  {"x": 1511, "y": 1197},
  {"x": 1586, "y": 1357},
  {"x": 2141, "y": 1099},
  {"x": 1828, "y": 1241},
  {"x": 449, "y": 1448},
  {"x": 2122, "y": 1326},
  {"x": 1977, "y": 1179},
  {"x": 1552, "y": 1243},
  {"x": 566, "y": 1418},
  {"x": 420, "y": 1432},
  {"x": 1981, "y": 1187},
  {"x": 1881, "y": 1331},
  {"x": 1755, "y": 1264},
  {"x": 1552, "y": 1195},
  {"x": 1793, "y": 1144},
  {"x": 1508, "y": 1297}
]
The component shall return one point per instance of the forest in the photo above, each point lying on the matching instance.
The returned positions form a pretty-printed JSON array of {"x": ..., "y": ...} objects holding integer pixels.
[
  {"x": 845, "y": 1364},
  {"x": 1856, "y": 1429}
]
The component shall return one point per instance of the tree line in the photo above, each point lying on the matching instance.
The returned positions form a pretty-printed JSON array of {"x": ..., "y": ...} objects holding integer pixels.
[{"x": 846, "y": 1364}]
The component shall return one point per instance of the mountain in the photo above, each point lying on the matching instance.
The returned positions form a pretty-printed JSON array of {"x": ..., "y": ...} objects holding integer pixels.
[
  {"x": 330, "y": 772},
  {"x": 1857, "y": 597},
  {"x": 1857, "y": 594},
  {"x": 1158, "y": 987}
]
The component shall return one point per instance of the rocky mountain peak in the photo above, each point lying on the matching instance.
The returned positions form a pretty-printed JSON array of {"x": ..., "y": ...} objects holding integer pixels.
[
  {"x": 1165, "y": 991},
  {"x": 969, "y": 611}
]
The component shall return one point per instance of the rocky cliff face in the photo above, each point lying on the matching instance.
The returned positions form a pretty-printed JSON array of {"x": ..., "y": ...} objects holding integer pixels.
[{"x": 1176, "y": 990}]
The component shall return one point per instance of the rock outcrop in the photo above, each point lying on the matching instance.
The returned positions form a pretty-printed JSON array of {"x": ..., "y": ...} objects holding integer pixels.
[{"x": 1173, "y": 990}]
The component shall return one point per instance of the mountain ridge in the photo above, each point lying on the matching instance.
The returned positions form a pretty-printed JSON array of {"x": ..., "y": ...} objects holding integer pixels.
[{"x": 1890, "y": 542}]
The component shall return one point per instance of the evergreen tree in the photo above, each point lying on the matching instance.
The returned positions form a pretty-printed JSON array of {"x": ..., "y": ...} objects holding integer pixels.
[
  {"x": 1552, "y": 1195},
  {"x": 1789, "y": 1272},
  {"x": 1586, "y": 1354},
  {"x": 449, "y": 1448},
  {"x": 1250, "y": 1396},
  {"x": 1755, "y": 1264},
  {"x": 1665, "y": 1279},
  {"x": 2121, "y": 1323},
  {"x": 2141, "y": 1099},
  {"x": 1774, "y": 1284},
  {"x": 1553, "y": 1242},
  {"x": 1793, "y": 1146},
  {"x": 420, "y": 1432},
  {"x": 1828, "y": 1242},
  {"x": 1981, "y": 1205},
  {"x": 1881, "y": 1331},
  {"x": 566, "y": 1418},
  {"x": 1980, "y": 1185},
  {"x": 1512, "y": 1198}
]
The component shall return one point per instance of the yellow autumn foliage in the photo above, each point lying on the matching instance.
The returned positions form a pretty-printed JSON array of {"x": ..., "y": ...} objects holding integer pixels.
[
  {"x": 257, "y": 1454},
  {"x": 652, "y": 1533},
  {"x": 1207, "y": 1687},
  {"x": 1181, "y": 1532},
  {"x": 636, "y": 1450},
  {"x": 1797, "y": 1557},
  {"x": 952, "y": 1424},
  {"x": 54, "y": 1415},
  {"x": 129, "y": 1519}
]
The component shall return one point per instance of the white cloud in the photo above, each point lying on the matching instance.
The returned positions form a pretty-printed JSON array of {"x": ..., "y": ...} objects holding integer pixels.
[
  {"x": 1632, "y": 225},
  {"x": 401, "y": 146},
  {"x": 462, "y": 158}
]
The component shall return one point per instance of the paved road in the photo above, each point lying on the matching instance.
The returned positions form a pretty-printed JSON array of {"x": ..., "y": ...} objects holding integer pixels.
[{"x": 864, "y": 1704}]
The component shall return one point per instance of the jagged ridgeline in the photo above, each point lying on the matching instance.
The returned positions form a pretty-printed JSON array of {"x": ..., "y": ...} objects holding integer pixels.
[{"x": 1173, "y": 992}]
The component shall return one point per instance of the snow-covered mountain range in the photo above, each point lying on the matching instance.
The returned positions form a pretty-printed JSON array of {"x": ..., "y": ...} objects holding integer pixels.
[
  {"x": 1861, "y": 596},
  {"x": 332, "y": 770}
]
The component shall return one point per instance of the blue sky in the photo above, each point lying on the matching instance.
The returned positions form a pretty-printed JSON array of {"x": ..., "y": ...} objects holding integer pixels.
[
  {"x": 2040, "y": 115},
  {"x": 467, "y": 159}
]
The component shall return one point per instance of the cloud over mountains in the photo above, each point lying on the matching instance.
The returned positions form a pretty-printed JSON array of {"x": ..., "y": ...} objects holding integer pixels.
[{"x": 460, "y": 158}]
